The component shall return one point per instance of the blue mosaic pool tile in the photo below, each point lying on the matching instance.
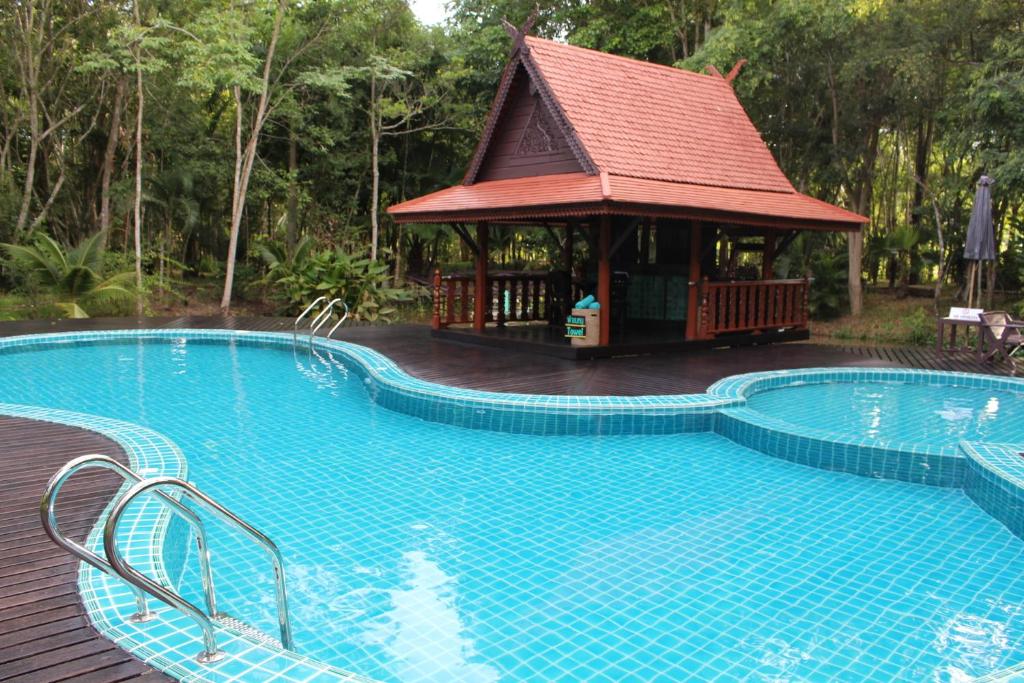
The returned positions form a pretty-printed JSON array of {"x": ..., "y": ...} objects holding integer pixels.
[
  {"x": 867, "y": 457},
  {"x": 995, "y": 481}
]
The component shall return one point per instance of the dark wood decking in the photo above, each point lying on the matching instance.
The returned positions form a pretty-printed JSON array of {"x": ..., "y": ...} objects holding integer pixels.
[{"x": 44, "y": 633}]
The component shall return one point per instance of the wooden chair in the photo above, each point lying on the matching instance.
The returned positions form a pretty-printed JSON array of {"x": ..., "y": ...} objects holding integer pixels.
[{"x": 1000, "y": 335}]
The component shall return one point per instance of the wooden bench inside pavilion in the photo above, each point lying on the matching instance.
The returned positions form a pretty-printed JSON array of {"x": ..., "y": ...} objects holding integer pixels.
[{"x": 668, "y": 208}]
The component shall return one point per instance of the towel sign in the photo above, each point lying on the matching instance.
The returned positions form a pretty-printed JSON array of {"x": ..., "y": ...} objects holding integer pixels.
[
  {"x": 575, "y": 326},
  {"x": 971, "y": 314}
]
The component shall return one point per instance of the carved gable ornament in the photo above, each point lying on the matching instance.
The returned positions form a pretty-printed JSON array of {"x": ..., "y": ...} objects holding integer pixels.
[{"x": 541, "y": 135}]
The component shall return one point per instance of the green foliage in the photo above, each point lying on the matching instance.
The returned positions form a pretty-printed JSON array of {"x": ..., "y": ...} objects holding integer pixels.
[
  {"x": 828, "y": 297},
  {"x": 75, "y": 277},
  {"x": 303, "y": 274},
  {"x": 921, "y": 328},
  {"x": 847, "y": 94}
]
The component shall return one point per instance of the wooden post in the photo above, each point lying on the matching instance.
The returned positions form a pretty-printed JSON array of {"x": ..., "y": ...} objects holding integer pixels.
[
  {"x": 481, "y": 292},
  {"x": 645, "y": 243},
  {"x": 604, "y": 278},
  {"x": 805, "y": 304},
  {"x": 768, "y": 256},
  {"x": 693, "y": 303},
  {"x": 436, "y": 320}
]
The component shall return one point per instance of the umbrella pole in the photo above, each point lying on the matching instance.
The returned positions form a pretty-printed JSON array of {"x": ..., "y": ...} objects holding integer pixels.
[
  {"x": 979, "y": 270},
  {"x": 970, "y": 284}
]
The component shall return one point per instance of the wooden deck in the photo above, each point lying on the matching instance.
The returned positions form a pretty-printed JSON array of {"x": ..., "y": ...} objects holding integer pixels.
[{"x": 44, "y": 635}]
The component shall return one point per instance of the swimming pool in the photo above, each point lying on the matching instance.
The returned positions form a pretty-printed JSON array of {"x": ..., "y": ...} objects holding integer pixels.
[
  {"x": 642, "y": 545},
  {"x": 940, "y": 415}
]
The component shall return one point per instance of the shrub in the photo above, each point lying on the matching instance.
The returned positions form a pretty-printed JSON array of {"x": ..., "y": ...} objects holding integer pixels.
[
  {"x": 921, "y": 328},
  {"x": 73, "y": 277},
  {"x": 305, "y": 274},
  {"x": 828, "y": 297}
]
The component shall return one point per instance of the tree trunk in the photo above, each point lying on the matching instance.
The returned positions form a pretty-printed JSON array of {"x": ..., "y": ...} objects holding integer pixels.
[
  {"x": 374, "y": 168},
  {"x": 922, "y": 153},
  {"x": 140, "y": 98},
  {"x": 292, "y": 226},
  {"x": 244, "y": 162},
  {"x": 30, "y": 166},
  {"x": 108, "y": 159},
  {"x": 236, "y": 211}
]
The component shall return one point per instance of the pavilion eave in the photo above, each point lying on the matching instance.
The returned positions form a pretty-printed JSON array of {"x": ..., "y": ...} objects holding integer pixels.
[{"x": 564, "y": 213}]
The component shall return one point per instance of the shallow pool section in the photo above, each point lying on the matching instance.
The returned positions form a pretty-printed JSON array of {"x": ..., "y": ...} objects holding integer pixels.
[
  {"x": 421, "y": 551},
  {"x": 936, "y": 415}
]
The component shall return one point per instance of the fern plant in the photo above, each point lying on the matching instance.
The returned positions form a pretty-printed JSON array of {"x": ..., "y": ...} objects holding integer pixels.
[{"x": 73, "y": 276}]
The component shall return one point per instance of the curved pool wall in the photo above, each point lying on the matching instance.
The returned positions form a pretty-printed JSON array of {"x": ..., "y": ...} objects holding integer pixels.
[{"x": 992, "y": 475}]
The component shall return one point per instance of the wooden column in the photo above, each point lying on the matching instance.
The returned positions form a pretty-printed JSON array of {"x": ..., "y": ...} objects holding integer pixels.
[
  {"x": 693, "y": 298},
  {"x": 604, "y": 278},
  {"x": 435, "y": 322},
  {"x": 481, "y": 292},
  {"x": 768, "y": 256},
  {"x": 645, "y": 243}
]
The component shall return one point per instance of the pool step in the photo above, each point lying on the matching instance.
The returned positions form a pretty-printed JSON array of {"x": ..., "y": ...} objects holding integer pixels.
[{"x": 247, "y": 630}]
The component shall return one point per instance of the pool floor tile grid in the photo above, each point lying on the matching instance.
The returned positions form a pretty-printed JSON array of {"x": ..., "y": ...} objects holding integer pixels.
[{"x": 622, "y": 563}]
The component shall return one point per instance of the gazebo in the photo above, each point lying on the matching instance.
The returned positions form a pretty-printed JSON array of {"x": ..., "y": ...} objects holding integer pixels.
[{"x": 664, "y": 181}]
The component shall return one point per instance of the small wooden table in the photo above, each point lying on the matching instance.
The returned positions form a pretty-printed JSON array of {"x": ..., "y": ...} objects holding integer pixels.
[{"x": 953, "y": 324}]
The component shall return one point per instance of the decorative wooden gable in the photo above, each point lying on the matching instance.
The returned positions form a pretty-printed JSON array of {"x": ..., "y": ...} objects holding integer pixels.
[{"x": 526, "y": 139}]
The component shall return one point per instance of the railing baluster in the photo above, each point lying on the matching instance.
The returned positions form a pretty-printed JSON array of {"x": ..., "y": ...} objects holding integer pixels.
[
  {"x": 450, "y": 301},
  {"x": 464, "y": 300},
  {"x": 435, "y": 321}
]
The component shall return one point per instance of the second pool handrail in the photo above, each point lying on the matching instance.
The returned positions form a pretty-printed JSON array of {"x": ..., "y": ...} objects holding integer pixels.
[{"x": 129, "y": 573}]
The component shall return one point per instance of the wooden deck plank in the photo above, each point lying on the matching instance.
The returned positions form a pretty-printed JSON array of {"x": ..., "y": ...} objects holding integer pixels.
[{"x": 44, "y": 634}]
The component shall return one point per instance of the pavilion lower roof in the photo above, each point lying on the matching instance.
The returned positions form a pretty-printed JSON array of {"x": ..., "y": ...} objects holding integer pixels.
[{"x": 561, "y": 197}]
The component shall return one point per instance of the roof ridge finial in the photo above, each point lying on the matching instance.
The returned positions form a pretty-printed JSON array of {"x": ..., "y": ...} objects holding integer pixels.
[
  {"x": 735, "y": 71},
  {"x": 518, "y": 35}
]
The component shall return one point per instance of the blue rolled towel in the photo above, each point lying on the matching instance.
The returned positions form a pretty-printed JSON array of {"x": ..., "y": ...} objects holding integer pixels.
[
  {"x": 594, "y": 306},
  {"x": 585, "y": 301}
]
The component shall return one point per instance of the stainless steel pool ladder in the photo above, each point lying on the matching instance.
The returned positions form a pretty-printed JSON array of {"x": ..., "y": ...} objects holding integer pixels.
[
  {"x": 295, "y": 325},
  {"x": 115, "y": 565},
  {"x": 320, "y": 319}
]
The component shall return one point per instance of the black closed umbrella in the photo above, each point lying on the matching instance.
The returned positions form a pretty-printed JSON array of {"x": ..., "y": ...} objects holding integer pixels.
[{"x": 981, "y": 243}]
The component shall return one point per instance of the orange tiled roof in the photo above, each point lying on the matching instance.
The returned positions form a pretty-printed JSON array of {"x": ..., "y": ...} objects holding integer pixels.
[
  {"x": 657, "y": 140},
  {"x": 646, "y": 120},
  {"x": 578, "y": 194}
]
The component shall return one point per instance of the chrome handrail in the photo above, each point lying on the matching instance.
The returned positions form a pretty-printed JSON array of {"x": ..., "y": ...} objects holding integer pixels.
[
  {"x": 48, "y": 515},
  {"x": 338, "y": 324},
  {"x": 295, "y": 326},
  {"x": 117, "y": 561},
  {"x": 319, "y": 321}
]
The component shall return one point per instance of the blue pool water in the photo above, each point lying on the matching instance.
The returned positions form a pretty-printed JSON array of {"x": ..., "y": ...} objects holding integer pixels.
[
  {"x": 417, "y": 551},
  {"x": 918, "y": 413}
]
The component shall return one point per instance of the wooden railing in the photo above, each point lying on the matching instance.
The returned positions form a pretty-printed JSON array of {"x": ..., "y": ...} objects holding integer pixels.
[
  {"x": 754, "y": 306},
  {"x": 454, "y": 296}
]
